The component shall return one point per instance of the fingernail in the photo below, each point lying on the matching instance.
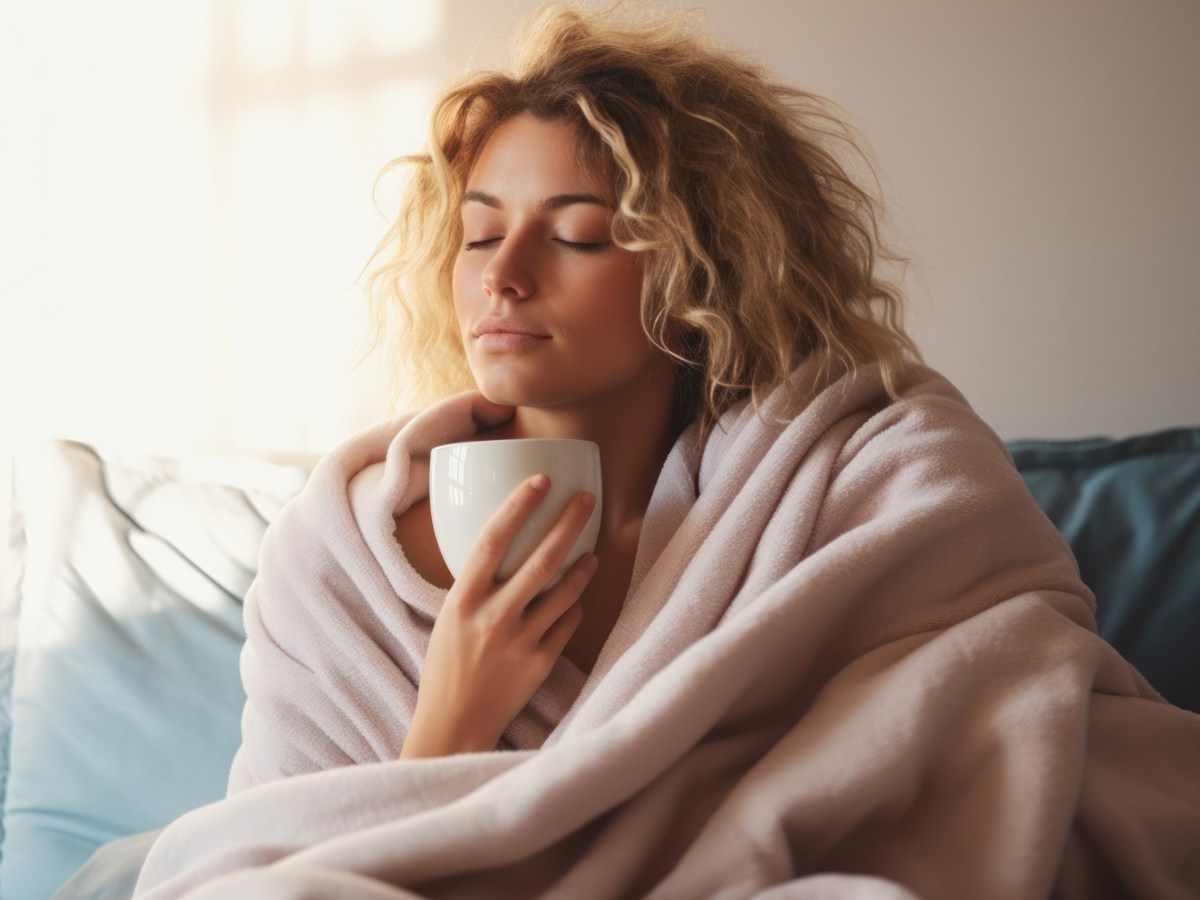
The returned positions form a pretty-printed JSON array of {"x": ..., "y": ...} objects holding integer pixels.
[
  {"x": 539, "y": 482},
  {"x": 589, "y": 500}
]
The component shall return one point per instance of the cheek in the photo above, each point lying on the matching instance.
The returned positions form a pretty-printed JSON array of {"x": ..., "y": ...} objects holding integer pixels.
[
  {"x": 460, "y": 279},
  {"x": 616, "y": 314},
  {"x": 628, "y": 296},
  {"x": 458, "y": 276}
]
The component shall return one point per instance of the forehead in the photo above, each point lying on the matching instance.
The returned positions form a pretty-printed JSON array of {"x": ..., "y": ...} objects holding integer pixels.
[{"x": 530, "y": 157}]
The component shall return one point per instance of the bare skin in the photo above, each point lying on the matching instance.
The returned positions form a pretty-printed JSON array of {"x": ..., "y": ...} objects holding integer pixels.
[
  {"x": 601, "y": 599},
  {"x": 538, "y": 258}
]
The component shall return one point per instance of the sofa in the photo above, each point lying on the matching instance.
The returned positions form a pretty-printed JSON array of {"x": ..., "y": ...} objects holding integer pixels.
[{"x": 121, "y": 583}]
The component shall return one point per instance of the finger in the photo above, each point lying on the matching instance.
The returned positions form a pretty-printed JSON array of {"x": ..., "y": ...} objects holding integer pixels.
[
  {"x": 547, "y": 608},
  {"x": 549, "y": 555},
  {"x": 559, "y": 635},
  {"x": 497, "y": 534}
]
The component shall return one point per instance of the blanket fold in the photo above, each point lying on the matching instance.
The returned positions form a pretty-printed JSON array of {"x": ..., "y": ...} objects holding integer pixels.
[{"x": 855, "y": 659}]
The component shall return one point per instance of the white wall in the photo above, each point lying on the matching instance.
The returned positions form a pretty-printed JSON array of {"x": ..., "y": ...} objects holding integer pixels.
[
  {"x": 185, "y": 204},
  {"x": 185, "y": 199},
  {"x": 1042, "y": 162}
]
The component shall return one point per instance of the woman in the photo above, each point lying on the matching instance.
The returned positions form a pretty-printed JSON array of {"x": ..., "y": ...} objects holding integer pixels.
[
  {"x": 549, "y": 310},
  {"x": 643, "y": 275},
  {"x": 827, "y": 644}
]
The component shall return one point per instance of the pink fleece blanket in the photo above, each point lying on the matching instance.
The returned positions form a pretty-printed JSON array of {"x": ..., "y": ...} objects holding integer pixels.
[{"x": 855, "y": 660}]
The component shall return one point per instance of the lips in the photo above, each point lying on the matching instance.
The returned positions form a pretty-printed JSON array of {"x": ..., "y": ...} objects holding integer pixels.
[{"x": 508, "y": 326}]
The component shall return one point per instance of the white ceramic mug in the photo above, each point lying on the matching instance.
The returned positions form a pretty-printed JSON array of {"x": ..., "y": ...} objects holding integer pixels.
[{"x": 468, "y": 482}]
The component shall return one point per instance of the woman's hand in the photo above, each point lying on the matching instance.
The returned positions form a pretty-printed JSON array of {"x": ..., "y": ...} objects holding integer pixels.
[{"x": 494, "y": 643}]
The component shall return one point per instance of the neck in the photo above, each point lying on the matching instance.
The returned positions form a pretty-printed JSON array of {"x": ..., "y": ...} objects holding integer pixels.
[{"x": 631, "y": 425}]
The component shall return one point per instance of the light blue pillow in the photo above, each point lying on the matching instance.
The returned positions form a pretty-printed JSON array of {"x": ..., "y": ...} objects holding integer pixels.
[
  {"x": 1130, "y": 509},
  {"x": 125, "y": 694},
  {"x": 111, "y": 873}
]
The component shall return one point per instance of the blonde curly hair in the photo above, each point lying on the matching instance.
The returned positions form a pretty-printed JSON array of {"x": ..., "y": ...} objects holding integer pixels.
[{"x": 761, "y": 250}]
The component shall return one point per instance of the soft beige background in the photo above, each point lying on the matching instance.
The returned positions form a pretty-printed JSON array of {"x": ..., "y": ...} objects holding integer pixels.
[
  {"x": 185, "y": 200},
  {"x": 1042, "y": 162}
]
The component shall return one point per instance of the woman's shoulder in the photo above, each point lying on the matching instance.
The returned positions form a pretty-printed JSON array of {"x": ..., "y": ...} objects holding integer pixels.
[
  {"x": 922, "y": 414},
  {"x": 928, "y": 416},
  {"x": 926, "y": 453},
  {"x": 414, "y": 533}
]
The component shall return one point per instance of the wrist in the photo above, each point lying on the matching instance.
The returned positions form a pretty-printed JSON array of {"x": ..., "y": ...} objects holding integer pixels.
[{"x": 423, "y": 740}]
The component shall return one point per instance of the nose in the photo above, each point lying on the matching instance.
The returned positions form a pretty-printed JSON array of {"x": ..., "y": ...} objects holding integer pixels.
[{"x": 509, "y": 272}]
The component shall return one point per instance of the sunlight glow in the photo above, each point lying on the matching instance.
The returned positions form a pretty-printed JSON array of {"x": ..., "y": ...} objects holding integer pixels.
[
  {"x": 402, "y": 26},
  {"x": 268, "y": 33},
  {"x": 193, "y": 204},
  {"x": 331, "y": 29}
]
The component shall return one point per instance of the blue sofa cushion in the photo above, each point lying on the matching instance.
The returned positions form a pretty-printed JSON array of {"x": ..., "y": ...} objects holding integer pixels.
[
  {"x": 1130, "y": 508},
  {"x": 124, "y": 698}
]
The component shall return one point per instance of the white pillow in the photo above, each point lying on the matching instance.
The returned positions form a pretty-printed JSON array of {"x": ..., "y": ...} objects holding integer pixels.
[{"x": 125, "y": 579}]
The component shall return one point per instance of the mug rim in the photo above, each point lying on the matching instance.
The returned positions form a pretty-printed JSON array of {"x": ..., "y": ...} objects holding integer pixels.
[{"x": 517, "y": 441}]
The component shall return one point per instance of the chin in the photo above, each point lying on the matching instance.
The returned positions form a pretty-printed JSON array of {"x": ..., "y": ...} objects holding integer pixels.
[
  {"x": 557, "y": 386},
  {"x": 501, "y": 384},
  {"x": 510, "y": 393},
  {"x": 530, "y": 396},
  {"x": 527, "y": 399}
]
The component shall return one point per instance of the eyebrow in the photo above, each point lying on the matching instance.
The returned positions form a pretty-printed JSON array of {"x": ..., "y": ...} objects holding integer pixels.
[{"x": 558, "y": 201}]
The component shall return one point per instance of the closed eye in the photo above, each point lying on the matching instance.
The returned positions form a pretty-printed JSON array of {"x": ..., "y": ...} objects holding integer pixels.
[
  {"x": 579, "y": 246},
  {"x": 584, "y": 246},
  {"x": 476, "y": 245}
]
